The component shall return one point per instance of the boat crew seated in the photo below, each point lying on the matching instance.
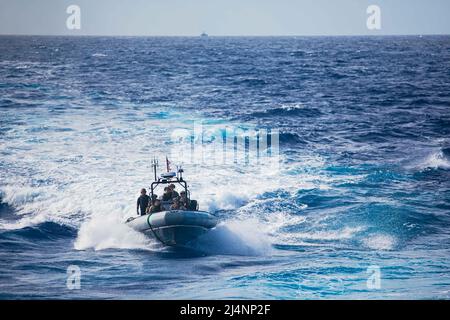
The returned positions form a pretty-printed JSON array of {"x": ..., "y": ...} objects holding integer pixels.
[
  {"x": 155, "y": 207},
  {"x": 154, "y": 197},
  {"x": 184, "y": 199},
  {"x": 173, "y": 192},
  {"x": 177, "y": 205},
  {"x": 167, "y": 195},
  {"x": 188, "y": 203}
]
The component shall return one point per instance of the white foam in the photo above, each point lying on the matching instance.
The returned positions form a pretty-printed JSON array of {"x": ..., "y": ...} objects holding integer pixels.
[
  {"x": 436, "y": 160},
  {"x": 294, "y": 106},
  {"x": 328, "y": 235},
  {"x": 19, "y": 195},
  {"x": 236, "y": 237},
  {"x": 108, "y": 231},
  {"x": 380, "y": 242}
]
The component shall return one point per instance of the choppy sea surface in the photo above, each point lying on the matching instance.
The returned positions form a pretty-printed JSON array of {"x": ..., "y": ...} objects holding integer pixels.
[{"x": 362, "y": 187}]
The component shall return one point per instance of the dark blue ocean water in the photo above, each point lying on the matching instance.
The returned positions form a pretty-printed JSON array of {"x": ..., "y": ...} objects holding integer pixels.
[{"x": 363, "y": 178}]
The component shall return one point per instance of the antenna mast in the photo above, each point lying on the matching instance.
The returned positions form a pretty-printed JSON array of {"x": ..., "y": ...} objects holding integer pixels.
[
  {"x": 180, "y": 172},
  {"x": 154, "y": 165}
]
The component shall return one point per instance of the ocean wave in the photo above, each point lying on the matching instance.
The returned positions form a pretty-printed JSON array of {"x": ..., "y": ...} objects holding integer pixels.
[
  {"x": 250, "y": 82},
  {"x": 291, "y": 138},
  {"x": 18, "y": 195},
  {"x": 40, "y": 232},
  {"x": 299, "y": 53},
  {"x": 439, "y": 159},
  {"x": 289, "y": 110}
]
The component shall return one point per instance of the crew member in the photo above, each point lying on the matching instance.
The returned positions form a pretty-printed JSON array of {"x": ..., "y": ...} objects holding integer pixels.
[
  {"x": 172, "y": 190},
  {"x": 142, "y": 202}
]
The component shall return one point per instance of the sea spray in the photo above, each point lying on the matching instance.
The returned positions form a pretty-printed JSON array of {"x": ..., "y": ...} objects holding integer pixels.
[
  {"x": 235, "y": 237},
  {"x": 108, "y": 231}
]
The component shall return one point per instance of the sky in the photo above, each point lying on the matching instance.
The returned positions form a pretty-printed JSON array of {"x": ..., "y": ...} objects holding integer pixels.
[{"x": 224, "y": 17}]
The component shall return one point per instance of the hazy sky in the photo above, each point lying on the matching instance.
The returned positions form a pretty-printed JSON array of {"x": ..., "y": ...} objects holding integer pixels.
[{"x": 224, "y": 17}]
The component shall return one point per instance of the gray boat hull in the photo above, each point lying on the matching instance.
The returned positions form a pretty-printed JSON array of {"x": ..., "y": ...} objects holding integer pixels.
[{"x": 176, "y": 227}]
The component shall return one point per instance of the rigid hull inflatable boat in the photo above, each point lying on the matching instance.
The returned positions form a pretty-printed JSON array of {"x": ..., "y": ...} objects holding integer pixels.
[{"x": 173, "y": 227}]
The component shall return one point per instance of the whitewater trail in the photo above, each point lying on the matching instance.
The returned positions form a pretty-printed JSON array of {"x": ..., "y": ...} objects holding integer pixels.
[{"x": 85, "y": 173}]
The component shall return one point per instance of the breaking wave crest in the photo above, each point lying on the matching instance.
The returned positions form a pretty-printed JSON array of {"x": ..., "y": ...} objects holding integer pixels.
[{"x": 439, "y": 159}]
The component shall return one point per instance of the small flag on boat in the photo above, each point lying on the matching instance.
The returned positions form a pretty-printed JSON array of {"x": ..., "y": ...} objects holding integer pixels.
[{"x": 168, "y": 164}]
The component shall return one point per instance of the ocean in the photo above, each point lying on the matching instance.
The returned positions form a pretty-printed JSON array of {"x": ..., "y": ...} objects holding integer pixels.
[{"x": 356, "y": 205}]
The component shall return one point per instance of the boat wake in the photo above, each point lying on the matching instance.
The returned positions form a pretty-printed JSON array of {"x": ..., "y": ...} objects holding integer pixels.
[
  {"x": 234, "y": 237},
  {"x": 109, "y": 232}
]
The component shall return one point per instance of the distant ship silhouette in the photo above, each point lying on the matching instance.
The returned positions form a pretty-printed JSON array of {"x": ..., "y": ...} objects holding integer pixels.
[{"x": 204, "y": 34}]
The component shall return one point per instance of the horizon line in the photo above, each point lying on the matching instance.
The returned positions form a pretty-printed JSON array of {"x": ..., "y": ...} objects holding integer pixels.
[{"x": 223, "y": 36}]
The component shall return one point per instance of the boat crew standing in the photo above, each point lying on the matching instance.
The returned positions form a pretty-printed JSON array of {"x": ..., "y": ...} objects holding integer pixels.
[{"x": 142, "y": 202}]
